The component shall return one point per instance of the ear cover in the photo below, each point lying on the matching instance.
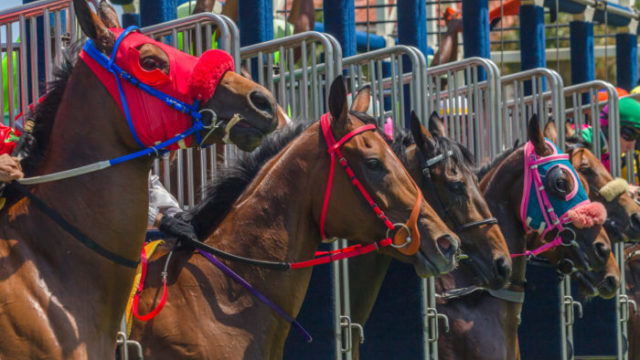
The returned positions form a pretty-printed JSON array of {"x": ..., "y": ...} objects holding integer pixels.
[{"x": 208, "y": 72}]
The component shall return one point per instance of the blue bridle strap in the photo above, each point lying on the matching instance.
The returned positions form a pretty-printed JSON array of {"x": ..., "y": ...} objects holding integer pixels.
[{"x": 118, "y": 72}]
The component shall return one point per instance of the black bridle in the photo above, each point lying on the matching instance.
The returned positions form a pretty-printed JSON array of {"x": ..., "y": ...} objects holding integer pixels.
[{"x": 426, "y": 172}]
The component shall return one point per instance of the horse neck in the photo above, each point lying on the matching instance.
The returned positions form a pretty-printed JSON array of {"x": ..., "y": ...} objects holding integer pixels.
[
  {"x": 273, "y": 220},
  {"x": 109, "y": 206},
  {"x": 505, "y": 205}
]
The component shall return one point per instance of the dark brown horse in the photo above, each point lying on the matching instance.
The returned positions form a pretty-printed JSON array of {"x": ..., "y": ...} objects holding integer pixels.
[
  {"x": 60, "y": 299},
  {"x": 452, "y": 188},
  {"x": 276, "y": 217},
  {"x": 497, "y": 336}
]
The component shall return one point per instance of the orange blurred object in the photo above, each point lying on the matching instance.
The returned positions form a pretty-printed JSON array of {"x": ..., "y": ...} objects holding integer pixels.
[{"x": 603, "y": 95}]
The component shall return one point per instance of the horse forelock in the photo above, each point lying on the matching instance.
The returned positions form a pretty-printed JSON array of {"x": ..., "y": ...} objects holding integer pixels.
[{"x": 233, "y": 179}]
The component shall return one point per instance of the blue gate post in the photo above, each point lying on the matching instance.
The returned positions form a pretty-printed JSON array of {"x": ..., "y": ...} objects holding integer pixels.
[
  {"x": 583, "y": 66},
  {"x": 412, "y": 30},
  {"x": 532, "y": 37},
  {"x": 255, "y": 21},
  {"x": 157, "y": 11},
  {"x": 130, "y": 12},
  {"x": 340, "y": 21},
  {"x": 40, "y": 49},
  {"x": 475, "y": 30},
  {"x": 627, "y": 58}
]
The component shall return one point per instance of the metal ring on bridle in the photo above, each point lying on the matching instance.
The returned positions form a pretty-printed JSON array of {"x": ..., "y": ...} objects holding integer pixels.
[
  {"x": 568, "y": 243},
  {"x": 404, "y": 226},
  {"x": 211, "y": 127}
]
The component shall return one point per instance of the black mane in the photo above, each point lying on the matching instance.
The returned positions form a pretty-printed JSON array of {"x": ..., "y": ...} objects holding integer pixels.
[
  {"x": 45, "y": 112},
  {"x": 225, "y": 189},
  {"x": 482, "y": 171}
]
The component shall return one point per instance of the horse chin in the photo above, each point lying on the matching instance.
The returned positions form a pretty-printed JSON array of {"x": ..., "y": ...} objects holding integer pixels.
[
  {"x": 245, "y": 137},
  {"x": 483, "y": 277},
  {"x": 587, "y": 287},
  {"x": 423, "y": 267}
]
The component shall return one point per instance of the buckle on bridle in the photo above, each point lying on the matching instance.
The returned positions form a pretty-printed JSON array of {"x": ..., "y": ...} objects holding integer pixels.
[{"x": 405, "y": 227}]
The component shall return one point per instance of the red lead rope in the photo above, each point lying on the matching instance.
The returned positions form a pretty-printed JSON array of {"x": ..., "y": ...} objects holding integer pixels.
[{"x": 143, "y": 274}]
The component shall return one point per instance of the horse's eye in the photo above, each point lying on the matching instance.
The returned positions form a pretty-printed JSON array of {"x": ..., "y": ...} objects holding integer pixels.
[
  {"x": 457, "y": 187},
  {"x": 150, "y": 63},
  {"x": 373, "y": 164},
  {"x": 562, "y": 185}
]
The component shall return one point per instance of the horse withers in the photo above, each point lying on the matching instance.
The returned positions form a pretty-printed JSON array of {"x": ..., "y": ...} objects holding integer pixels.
[{"x": 67, "y": 271}]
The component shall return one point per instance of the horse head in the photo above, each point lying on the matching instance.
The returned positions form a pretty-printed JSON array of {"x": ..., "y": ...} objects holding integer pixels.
[
  {"x": 442, "y": 168},
  {"x": 567, "y": 214},
  {"x": 420, "y": 236},
  {"x": 182, "y": 87}
]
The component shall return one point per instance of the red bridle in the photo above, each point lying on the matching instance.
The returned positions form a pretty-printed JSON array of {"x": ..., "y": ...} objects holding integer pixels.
[{"x": 408, "y": 241}]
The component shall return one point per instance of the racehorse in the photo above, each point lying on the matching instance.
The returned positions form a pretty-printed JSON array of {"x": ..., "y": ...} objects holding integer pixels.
[
  {"x": 623, "y": 213},
  {"x": 499, "y": 312},
  {"x": 62, "y": 299},
  {"x": 443, "y": 170},
  {"x": 474, "y": 305},
  {"x": 276, "y": 215}
]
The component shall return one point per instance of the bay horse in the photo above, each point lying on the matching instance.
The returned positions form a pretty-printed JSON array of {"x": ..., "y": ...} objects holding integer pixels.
[
  {"x": 477, "y": 306},
  {"x": 623, "y": 213},
  {"x": 484, "y": 325},
  {"x": 276, "y": 214},
  {"x": 61, "y": 299}
]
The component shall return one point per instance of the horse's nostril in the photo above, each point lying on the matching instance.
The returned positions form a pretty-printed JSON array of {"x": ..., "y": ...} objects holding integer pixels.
[
  {"x": 602, "y": 250},
  {"x": 261, "y": 102},
  {"x": 503, "y": 269},
  {"x": 447, "y": 245}
]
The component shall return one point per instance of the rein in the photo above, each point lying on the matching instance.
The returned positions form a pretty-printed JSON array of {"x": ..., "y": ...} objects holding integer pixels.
[{"x": 333, "y": 148}]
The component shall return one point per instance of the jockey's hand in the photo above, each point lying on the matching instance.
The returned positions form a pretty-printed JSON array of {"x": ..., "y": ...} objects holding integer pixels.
[{"x": 10, "y": 168}]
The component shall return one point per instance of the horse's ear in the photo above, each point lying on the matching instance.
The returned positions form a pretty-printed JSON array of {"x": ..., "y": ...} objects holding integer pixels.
[
  {"x": 93, "y": 27},
  {"x": 108, "y": 15},
  {"x": 436, "y": 125},
  {"x": 569, "y": 130},
  {"x": 551, "y": 132},
  {"x": 421, "y": 136},
  {"x": 338, "y": 102},
  {"x": 362, "y": 100},
  {"x": 536, "y": 137}
]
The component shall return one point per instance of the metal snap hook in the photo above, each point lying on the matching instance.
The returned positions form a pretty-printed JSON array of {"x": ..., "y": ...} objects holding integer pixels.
[{"x": 405, "y": 227}]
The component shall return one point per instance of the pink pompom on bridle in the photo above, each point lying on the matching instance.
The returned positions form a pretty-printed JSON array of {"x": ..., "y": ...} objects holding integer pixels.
[{"x": 588, "y": 215}]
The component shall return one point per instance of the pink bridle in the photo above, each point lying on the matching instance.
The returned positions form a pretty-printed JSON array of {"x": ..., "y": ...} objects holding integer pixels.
[{"x": 552, "y": 221}]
